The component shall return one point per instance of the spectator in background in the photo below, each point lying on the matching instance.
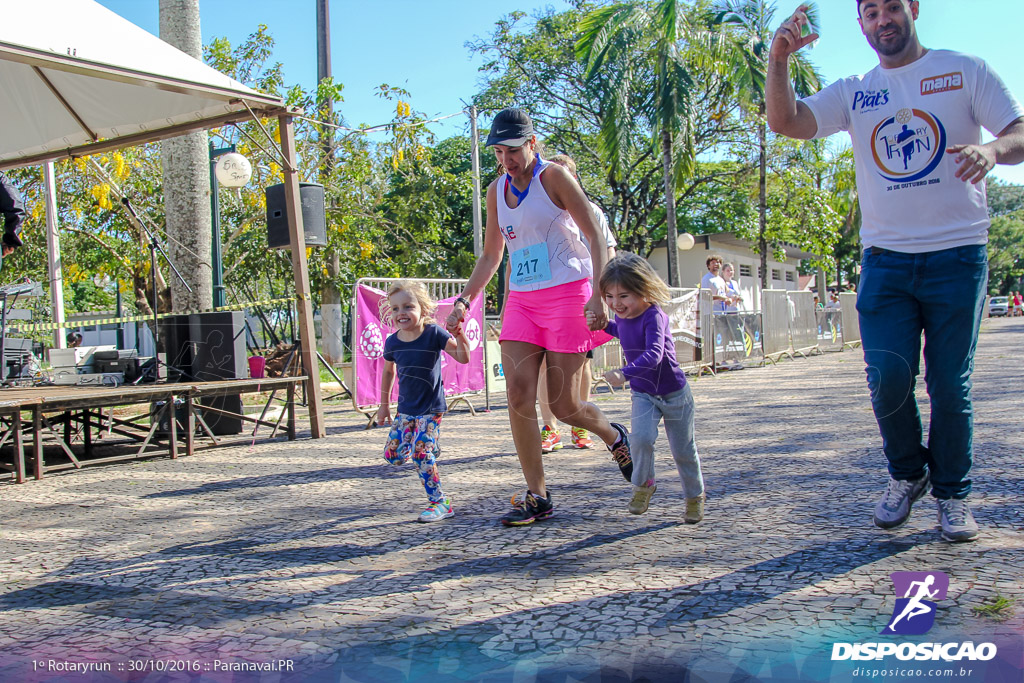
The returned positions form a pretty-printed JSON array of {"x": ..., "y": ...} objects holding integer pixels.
[
  {"x": 713, "y": 280},
  {"x": 74, "y": 340},
  {"x": 732, "y": 291},
  {"x": 1018, "y": 302},
  {"x": 13, "y": 212},
  {"x": 733, "y": 324}
]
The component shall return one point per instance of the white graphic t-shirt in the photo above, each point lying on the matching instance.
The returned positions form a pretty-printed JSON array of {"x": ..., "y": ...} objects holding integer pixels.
[{"x": 902, "y": 121}]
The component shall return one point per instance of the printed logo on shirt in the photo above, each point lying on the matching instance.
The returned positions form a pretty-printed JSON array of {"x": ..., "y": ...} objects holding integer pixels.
[
  {"x": 944, "y": 83},
  {"x": 908, "y": 147},
  {"x": 508, "y": 232},
  {"x": 868, "y": 100}
]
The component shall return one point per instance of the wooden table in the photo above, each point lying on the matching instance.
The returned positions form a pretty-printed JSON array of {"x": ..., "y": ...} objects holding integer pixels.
[{"x": 83, "y": 406}]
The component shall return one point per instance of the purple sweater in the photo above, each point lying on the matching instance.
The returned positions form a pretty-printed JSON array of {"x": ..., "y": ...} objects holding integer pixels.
[{"x": 650, "y": 352}]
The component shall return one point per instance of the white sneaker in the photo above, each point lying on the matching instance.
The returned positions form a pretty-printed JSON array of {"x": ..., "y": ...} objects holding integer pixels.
[
  {"x": 956, "y": 520},
  {"x": 894, "y": 508},
  {"x": 435, "y": 512}
]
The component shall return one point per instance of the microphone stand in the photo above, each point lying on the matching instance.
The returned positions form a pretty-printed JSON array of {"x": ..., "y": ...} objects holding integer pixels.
[{"x": 154, "y": 247}]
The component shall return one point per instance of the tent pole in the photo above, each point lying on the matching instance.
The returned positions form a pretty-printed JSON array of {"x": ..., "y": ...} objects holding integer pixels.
[
  {"x": 53, "y": 251},
  {"x": 304, "y": 304}
]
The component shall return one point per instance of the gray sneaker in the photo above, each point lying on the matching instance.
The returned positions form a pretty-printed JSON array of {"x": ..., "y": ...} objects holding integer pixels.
[
  {"x": 894, "y": 508},
  {"x": 956, "y": 520}
]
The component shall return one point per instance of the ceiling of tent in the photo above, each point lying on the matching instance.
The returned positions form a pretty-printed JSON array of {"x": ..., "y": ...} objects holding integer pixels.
[{"x": 74, "y": 73}]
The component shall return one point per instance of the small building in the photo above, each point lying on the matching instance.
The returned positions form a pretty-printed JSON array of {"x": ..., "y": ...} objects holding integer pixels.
[{"x": 739, "y": 252}]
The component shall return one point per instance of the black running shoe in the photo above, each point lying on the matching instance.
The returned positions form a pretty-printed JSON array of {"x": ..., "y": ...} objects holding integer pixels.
[
  {"x": 620, "y": 452},
  {"x": 528, "y": 510}
]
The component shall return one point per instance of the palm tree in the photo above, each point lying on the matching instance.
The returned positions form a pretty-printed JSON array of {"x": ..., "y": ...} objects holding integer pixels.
[
  {"x": 751, "y": 23},
  {"x": 634, "y": 55}
]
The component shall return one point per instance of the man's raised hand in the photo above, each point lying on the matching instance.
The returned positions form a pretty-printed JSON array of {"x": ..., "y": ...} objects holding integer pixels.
[{"x": 789, "y": 37}]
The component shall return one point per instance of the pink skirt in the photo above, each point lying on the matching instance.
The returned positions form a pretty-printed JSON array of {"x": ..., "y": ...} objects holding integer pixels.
[{"x": 552, "y": 319}]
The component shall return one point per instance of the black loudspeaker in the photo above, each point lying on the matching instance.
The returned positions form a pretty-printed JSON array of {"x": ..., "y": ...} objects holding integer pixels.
[
  {"x": 218, "y": 353},
  {"x": 314, "y": 222},
  {"x": 218, "y": 346},
  {"x": 175, "y": 332}
]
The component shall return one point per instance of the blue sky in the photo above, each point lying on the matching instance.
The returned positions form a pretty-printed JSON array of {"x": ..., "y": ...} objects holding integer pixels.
[{"x": 420, "y": 44}]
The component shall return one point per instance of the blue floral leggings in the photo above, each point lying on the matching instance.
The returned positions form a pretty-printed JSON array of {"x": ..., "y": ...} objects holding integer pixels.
[{"x": 416, "y": 437}]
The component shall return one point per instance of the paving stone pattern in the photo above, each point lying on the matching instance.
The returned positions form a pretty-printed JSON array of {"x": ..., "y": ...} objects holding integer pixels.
[{"x": 308, "y": 551}]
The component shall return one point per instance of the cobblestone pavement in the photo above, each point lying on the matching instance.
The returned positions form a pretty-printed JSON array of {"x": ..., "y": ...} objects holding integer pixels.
[{"x": 308, "y": 552}]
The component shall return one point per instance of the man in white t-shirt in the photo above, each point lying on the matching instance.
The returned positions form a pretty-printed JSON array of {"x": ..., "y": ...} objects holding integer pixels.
[
  {"x": 715, "y": 282},
  {"x": 915, "y": 121}
]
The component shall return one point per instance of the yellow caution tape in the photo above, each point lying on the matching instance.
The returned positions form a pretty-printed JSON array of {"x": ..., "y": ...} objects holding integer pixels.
[{"x": 72, "y": 324}]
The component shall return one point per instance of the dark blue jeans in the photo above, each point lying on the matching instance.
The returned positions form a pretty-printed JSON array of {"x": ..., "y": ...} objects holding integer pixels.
[{"x": 940, "y": 293}]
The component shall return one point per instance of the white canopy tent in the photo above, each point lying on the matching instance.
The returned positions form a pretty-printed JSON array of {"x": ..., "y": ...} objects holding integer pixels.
[{"x": 77, "y": 79}]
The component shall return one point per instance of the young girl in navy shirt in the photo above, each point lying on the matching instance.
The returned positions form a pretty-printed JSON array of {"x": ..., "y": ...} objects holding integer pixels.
[{"x": 414, "y": 350}]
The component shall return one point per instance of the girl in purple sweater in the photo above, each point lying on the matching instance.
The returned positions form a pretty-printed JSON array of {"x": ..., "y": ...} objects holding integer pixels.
[{"x": 633, "y": 291}]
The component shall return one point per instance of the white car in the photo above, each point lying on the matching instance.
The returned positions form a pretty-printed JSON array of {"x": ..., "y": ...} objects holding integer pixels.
[{"x": 998, "y": 305}]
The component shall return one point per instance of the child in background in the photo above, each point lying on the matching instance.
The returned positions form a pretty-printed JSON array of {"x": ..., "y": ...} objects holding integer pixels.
[
  {"x": 633, "y": 291},
  {"x": 415, "y": 350}
]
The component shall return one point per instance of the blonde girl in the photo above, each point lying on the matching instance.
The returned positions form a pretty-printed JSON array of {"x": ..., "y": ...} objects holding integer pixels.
[{"x": 414, "y": 353}]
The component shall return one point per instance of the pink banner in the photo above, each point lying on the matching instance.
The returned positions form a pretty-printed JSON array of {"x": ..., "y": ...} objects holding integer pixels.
[{"x": 368, "y": 349}]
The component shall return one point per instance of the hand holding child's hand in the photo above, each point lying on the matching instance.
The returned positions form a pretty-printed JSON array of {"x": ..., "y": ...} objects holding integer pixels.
[
  {"x": 595, "y": 315},
  {"x": 615, "y": 378},
  {"x": 454, "y": 319},
  {"x": 383, "y": 416}
]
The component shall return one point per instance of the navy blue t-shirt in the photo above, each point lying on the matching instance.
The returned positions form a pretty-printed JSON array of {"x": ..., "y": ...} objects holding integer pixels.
[{"x": 420, "y": 391}]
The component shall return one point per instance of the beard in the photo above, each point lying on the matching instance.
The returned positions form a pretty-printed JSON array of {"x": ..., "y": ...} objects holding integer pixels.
[{"x": 899, "y": 42}]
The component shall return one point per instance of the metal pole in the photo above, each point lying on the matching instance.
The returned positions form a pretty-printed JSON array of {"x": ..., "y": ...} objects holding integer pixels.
[
  {"x": 478, "y": 240},
  {"x": 216, "y": 259},
  {"x": 53, "y": 253}
]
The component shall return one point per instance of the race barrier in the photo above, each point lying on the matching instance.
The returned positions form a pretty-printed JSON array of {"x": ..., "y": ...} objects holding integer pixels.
[
  {"x": 789, "y": 324},
  {"x": 738, "y": 340},
  {"x": 775, "y": 314},
  {"x": 851, "y": 323},
  {"x": 495, "y": 369},
  {"x": 803, "y": 325},
  {"x": 684, "y": 312},
  {"x": 830, "y": 329},
  {"x": 369, "y": 332}
]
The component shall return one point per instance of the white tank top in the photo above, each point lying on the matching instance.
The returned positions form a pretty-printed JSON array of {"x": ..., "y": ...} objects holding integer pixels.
[{"x": 543, "y": 241}]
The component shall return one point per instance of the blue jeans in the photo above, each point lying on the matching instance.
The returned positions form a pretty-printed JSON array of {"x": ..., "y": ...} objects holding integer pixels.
[
  {"x": 677, "y": 409},
  {"x": 940, "y": 293}
]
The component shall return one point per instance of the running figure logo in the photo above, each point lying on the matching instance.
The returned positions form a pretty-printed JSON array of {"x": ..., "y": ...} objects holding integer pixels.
[{"x": 914, "y": 613}]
